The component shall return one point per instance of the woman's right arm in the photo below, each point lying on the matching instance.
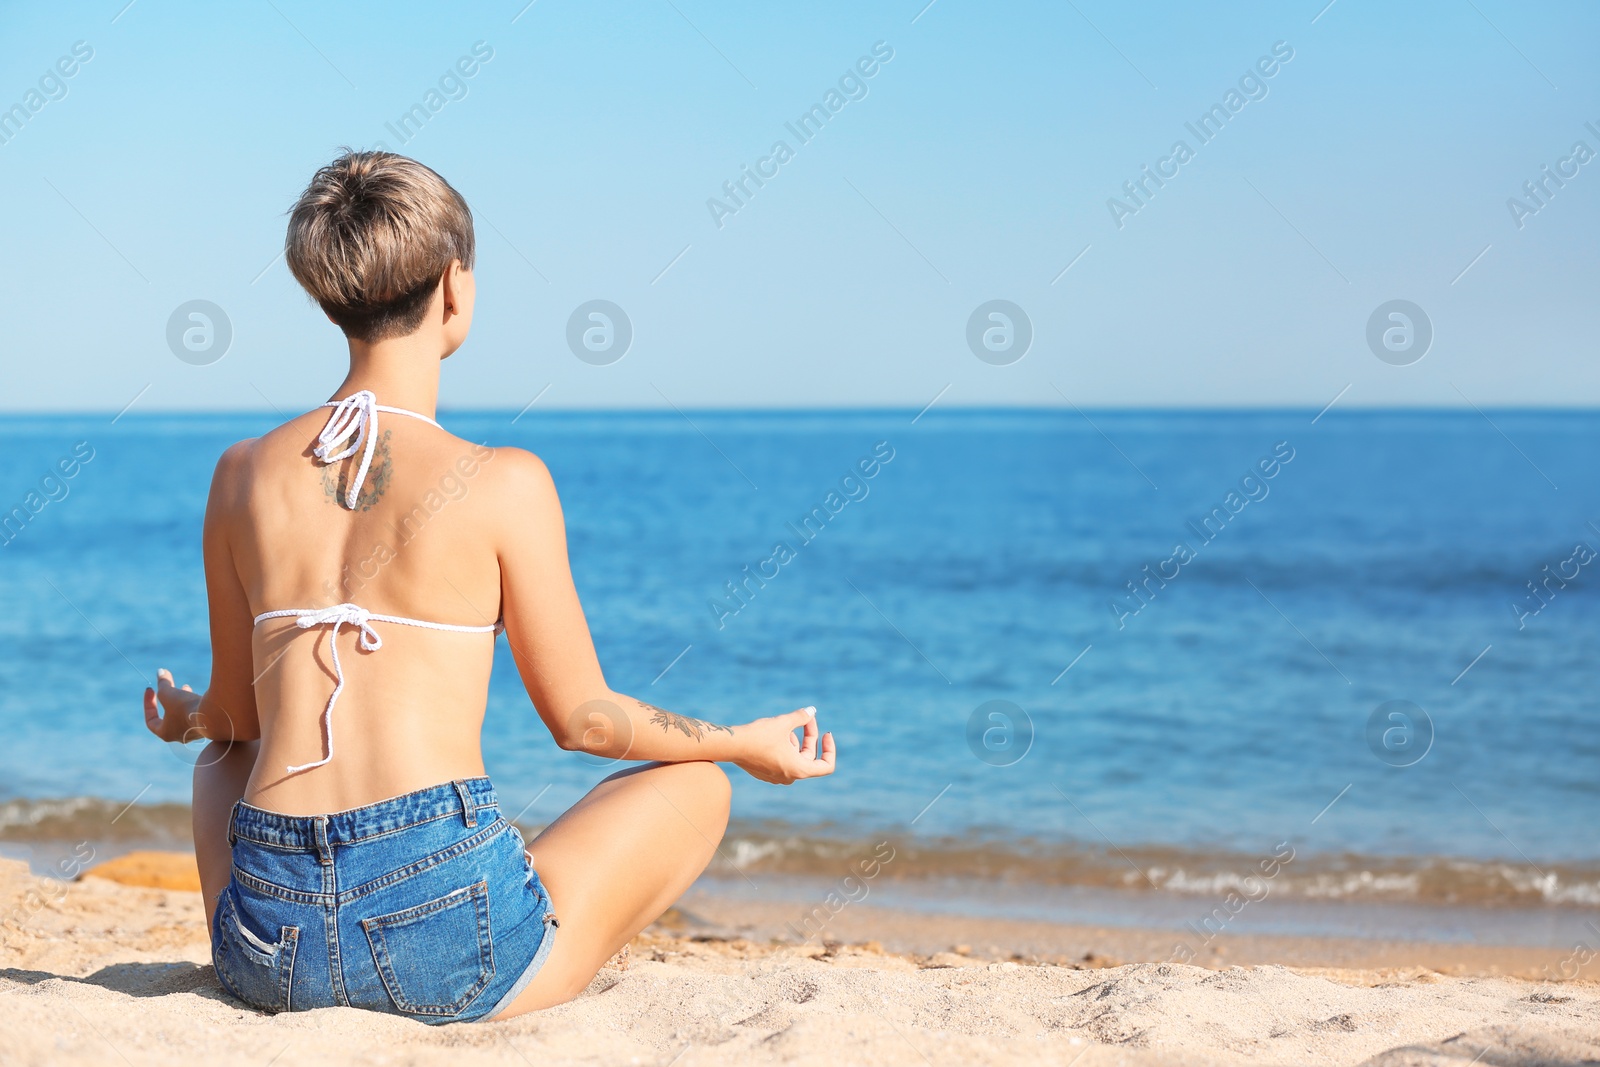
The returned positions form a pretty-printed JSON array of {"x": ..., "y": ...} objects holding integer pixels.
[
  {"x": 555, "y": 655},
  {"x": 226, "y": 711}
]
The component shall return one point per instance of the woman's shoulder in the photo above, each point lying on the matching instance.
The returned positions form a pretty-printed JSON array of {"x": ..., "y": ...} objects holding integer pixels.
[
  {"x": 236, "y": 460},
  {"x": 519, "y": 468},
  {"x": 517, "y": 478},
  {"x": 241, "y": 458},
  {"x": 241, "y": 463},
  {"x": 515, "y": 494},
  {"x": 289, "y": 436}
]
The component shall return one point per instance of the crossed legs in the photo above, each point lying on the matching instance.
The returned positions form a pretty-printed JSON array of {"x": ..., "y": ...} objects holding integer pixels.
[{"x": 612, "y": 863}]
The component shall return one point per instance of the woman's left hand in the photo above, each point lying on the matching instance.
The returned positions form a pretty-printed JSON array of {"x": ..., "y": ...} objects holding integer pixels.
[
  {"x": 181, "y": 721},
  {"x": 772, "y": 753}
]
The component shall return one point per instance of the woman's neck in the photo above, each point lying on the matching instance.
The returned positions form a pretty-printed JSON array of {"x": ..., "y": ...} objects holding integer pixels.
[{"x": 403, "y": 372}]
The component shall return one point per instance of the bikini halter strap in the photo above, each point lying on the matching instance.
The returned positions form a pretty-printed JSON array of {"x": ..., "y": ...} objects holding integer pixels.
[{"x": 352, "y": 428}]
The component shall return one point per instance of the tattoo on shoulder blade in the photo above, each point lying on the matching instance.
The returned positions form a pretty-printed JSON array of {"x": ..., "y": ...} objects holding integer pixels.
[
  {"x": 689, "y": 727},
  {"x": 378, "y": 475}
]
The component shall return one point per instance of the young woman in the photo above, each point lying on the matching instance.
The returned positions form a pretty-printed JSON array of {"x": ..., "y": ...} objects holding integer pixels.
[{"x": 359, "y": 560}]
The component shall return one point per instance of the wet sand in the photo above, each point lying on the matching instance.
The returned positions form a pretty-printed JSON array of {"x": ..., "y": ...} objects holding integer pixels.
[{"x": 989, "y": 939}]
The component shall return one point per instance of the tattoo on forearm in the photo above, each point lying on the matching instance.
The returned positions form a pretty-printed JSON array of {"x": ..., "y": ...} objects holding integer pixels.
[{"x": 692, "y": 728}]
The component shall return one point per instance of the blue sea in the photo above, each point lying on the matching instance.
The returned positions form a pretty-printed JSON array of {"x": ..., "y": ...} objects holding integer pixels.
[{"x": 1113, "y": 650}]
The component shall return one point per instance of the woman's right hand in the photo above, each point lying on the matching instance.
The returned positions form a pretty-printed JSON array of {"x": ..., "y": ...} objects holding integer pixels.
[
  {"x": 772, "y": 753},
  {"x": 171, "y": 713}
]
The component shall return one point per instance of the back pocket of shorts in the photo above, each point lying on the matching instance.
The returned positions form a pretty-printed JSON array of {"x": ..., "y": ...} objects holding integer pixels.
[
  {"x": 435, "y": 958},
  {"x": 253, "y": 969}
]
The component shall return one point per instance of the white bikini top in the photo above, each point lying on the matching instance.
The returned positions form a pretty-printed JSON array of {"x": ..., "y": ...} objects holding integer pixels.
[{"x": 354, "y": 420}]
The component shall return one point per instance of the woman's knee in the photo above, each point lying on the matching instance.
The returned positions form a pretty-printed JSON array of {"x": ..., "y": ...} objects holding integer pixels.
[
  {"x": 221, "y": 774},
  {"x": 710, "y": 782},
  {"x": 224, "y": 766},
  {"x": 705, "y": 788},
  {"x": 698, "y": 787},
  {"x": 716, "y": 791}
]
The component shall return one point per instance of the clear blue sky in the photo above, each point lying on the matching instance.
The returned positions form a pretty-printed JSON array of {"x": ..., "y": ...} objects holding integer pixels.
[{"x": 978, "y": 165}]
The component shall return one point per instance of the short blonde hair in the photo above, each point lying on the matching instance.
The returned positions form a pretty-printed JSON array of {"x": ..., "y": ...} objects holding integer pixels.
[{"x": 370, "y": 238}]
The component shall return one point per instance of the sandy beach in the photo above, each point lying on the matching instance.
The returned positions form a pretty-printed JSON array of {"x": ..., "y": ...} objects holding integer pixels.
[
  {"x": 911, "y": 534},
  {"x": 93, "y": 971}
]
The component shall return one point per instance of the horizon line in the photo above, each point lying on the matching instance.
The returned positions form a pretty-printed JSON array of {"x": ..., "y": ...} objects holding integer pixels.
[{"x": 859, "y": 409}]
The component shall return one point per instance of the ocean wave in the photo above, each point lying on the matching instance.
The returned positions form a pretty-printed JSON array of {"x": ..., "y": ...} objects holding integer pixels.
[
  {"x": 73, "y": 819},
  {"x": 1187, "y": 872},
  {"x": 769, "y": 848}
]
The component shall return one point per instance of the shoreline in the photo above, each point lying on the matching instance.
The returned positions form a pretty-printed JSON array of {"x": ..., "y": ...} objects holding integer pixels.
[
  {"x": 981, "y": 940},
  {"x": 1187, "y": 899},
  {"x": 803, "y": 918},
  {"x": 43, "y": 829}
]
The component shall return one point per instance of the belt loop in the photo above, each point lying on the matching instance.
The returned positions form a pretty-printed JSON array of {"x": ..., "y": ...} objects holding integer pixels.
[
  {"x": 469, "y": 807},
  {"x": 324, "y": 852},
  {"x": 233, "y": 815}
]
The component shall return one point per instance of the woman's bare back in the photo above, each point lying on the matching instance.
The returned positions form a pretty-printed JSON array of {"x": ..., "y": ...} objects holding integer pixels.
[{"x": 414, "y": 546}]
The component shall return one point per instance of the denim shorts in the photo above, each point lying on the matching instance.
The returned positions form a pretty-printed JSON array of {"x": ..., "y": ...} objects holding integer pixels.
[{"x": 424, "y": 905}]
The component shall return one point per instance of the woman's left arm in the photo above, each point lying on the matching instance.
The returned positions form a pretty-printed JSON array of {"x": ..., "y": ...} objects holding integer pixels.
[{"x": 227, "y": 710}]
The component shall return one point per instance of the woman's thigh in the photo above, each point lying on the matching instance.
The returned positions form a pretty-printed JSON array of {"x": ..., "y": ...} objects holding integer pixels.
[{"x": 616, "y": 860}]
